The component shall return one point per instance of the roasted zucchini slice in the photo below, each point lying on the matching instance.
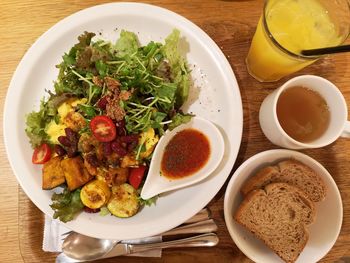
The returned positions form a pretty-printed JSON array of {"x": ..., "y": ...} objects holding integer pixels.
[
  {"x": 124, "y": 201},
  {"x": 95, "y": 194}
]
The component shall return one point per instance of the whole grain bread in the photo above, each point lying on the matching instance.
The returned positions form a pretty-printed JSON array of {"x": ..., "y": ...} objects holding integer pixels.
[
  {"x": 263, "y": 177},
  {"x": 292, "y": 172},
  {"x": 278, "y": 215}
]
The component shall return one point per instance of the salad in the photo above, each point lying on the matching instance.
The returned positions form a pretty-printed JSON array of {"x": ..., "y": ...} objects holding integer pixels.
[{"x": 94, "y": 135}]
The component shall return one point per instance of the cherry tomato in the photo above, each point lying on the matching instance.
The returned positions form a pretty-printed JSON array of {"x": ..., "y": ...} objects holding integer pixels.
[
  {"x": 103, "y": 128},
  {"x": 136, "y": 176},
  {"x": 41, "y": 154}
]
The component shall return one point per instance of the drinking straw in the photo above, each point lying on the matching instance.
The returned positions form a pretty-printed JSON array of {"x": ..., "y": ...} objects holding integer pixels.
[{"x": 326, "y": 50}]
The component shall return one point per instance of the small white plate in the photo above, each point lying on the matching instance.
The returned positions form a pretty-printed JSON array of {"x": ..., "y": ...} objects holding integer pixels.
[
  {"x": 215, "y": 96},
  {"x": 323, "y": 232}
]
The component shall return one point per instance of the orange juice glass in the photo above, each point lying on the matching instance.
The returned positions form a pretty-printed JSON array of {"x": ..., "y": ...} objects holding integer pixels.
[{"x": 287, "y": 27}]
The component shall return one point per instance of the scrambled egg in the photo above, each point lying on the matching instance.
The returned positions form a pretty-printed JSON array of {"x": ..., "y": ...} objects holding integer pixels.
[
  {"x": 55, "y": 130},
  {"x": 150, "y": 139}
]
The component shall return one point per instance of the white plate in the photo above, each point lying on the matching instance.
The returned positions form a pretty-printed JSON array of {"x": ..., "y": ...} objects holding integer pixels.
[
  {"x": 323, "y": 232},
  {"x": 215, "y": 96}
]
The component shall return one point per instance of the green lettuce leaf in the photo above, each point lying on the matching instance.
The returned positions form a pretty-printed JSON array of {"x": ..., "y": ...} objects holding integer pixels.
[
  {"x": 104, "y": 211},
  {"x": 179, "y": 119},
  {"x": 37, "y": 121},
  {"x": 66, "y": 205},
  {"x": 166, "y": 94},
  {"x": 127, "y": 44},
  {"x": 148, "y": 202},
  {"x": 178, "y": 67},
  {"x": 71, "y": 58}
]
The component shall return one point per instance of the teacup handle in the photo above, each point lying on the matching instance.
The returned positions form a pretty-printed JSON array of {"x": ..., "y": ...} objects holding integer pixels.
[{"x": 346, "y": 132}]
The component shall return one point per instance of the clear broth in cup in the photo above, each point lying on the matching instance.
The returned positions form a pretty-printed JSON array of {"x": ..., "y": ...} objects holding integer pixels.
[{"x": 303, "y": 113}]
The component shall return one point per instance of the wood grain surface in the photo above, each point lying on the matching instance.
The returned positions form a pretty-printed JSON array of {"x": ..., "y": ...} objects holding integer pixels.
[{"x": 231, "y": 24}]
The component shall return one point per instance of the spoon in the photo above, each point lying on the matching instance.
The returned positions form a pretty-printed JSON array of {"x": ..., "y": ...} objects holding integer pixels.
[
  {"x": 78, "y": 246},
  {"x": 204, "y": 240},
  {"x": 156, "y": 183}
]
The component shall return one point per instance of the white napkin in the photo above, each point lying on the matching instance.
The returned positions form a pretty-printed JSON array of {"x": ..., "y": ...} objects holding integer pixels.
[{"x": 52, "y": 241}]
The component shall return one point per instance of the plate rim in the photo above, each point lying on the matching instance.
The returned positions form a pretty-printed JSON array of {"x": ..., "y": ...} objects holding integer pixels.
[{"x": 59, "y": 26}]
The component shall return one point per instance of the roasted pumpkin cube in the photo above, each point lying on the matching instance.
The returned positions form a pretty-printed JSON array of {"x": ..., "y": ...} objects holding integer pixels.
[
  {"x": 75, "y": 172},
  {"x": 53, "y": 174},
  {"x": 120, "y": 175},
  {"x": 113, "y": 176}
]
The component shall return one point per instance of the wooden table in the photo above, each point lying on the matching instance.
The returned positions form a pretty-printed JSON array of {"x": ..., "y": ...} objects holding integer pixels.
[{"x": 231, "y": 23}]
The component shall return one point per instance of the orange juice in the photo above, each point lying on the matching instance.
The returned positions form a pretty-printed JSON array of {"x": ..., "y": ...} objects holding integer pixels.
[{"x": 286, "y": 28}]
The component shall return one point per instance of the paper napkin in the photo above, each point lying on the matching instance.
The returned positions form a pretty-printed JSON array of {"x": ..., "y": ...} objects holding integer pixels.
[{"x": 53, "y": 239}]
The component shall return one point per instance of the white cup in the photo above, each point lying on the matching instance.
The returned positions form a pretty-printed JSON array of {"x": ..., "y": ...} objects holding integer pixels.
[{"x": 338, "y": 125}]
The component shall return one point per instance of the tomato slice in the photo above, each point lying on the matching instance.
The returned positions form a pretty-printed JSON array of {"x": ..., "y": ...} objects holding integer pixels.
[
  {"x": 103, "y": 128},
  {"x": 136, "y": 176},
  {"x": 41, "y": 154}
]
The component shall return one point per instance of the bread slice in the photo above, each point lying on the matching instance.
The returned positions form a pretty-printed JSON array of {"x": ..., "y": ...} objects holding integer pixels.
[
  {"x": 263, "y": 177},
  {"x": 278, "y": 215},
  {"x": 292, "y": 172},
  {"x": 302, "y": 176}
]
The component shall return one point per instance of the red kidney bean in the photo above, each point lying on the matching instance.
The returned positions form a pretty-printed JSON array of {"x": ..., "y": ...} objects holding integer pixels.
[
  {"x": 115, "y": 144},
  {"x": 121, "y": 129},
  {"x": 92, "y": 159},
  {"x": 118, "y": 148},
  {"x": 59, "y": 150},
  {"x": 121, "y": 152},
  {"x": 131, "y": 146},
  {"x": 69, "y": 132},
  {"x": 64, "y": 141},
  {"x": 102, "y": 103},
  {"x": 120, "y": 123},
  {"x": 71, "y": 153},
  {"x": 90, "y": 210},
  {"x": 72, "y": 135},
  {"x": 107, "y": 148},
  {"x": 129, "y": 138}
]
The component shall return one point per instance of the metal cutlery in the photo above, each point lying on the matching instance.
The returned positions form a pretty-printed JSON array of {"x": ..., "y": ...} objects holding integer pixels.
[
  {"x": 205, "y": 226},
  {"x": 76, "y": 244},
  {"x": 204, "y": 240},
  {"x": 77, "y": 247}
]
